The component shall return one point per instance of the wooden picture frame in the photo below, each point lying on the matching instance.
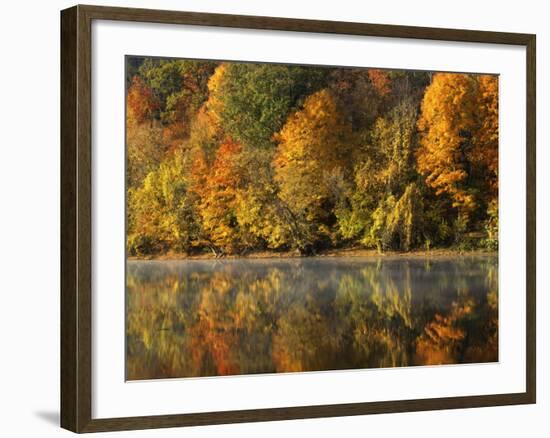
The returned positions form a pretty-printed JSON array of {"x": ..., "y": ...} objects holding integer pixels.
[{"x": 76, "y": 218}]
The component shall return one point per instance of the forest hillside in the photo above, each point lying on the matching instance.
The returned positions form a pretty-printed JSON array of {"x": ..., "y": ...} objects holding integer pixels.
[{"x": 231, "y": 158}]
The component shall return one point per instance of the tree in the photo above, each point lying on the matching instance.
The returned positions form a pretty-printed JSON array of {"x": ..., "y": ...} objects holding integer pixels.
[
  {"x": 180, "y": 88},
  {"x": 407, "y": 85},
  {"x": 386, "y": 192},
  {"x": 179, "y": 85},
  {"x": 145, "y": 148},
  {"x": 380, "y": 80},
  {"x": 314, "y": 142},
  {"x": 160, "y": 215},
  {"x": 214, "y": 105},
  {"x": 218, "y": 198},
  {"x": 254, "y": 100},
  {"x": 141, "y": 103},
  {"x": 360, "y": 93},
  {"x": 262, "y": 217},
  {"x": 133, "y": 63},
  {"x": 485, "y": 136},
  {"x": 459, "y": 140},
  {"x": 397, "y": 224},
  {"x": 395, "y": 138}
]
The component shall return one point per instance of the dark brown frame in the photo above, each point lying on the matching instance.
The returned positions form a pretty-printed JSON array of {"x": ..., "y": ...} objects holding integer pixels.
[{"x": 76, "y": 237}]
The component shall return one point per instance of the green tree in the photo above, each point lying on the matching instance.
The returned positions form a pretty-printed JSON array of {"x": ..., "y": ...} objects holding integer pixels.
[{"x": 255, "y": 99}]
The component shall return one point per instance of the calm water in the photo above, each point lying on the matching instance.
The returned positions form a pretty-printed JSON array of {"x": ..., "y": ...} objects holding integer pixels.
[{"x": 206, "y": 317}]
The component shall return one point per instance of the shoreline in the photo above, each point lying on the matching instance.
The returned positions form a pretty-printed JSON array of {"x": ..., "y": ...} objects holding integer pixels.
[{"x": 349, "y": 252}]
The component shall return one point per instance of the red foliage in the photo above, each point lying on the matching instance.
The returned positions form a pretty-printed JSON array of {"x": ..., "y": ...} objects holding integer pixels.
[{"x": 142, "y": 104}]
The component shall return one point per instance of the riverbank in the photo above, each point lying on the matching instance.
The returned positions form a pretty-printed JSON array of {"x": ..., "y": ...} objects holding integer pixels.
[{"x": 343, "y": 252}]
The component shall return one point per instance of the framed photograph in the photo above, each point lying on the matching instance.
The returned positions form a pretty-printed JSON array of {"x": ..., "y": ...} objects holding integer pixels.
[{"x": 270, "y": 218}]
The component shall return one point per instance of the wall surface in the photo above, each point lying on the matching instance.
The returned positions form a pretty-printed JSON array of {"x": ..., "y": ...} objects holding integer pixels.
[{"x": 29, "y": 196}]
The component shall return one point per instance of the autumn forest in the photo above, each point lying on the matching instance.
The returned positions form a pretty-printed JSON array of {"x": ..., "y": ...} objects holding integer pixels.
[{"x": 230, "y": 158}]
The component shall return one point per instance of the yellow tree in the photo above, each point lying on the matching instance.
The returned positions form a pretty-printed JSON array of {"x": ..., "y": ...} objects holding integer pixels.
[
  {"x": 214, "y": 104},
  {"x": 313, "y": 144},
  {"x": 160, "y": 215}
]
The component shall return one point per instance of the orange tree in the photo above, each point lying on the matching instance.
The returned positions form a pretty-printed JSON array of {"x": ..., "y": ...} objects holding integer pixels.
[{"x": 458, "y": 152}]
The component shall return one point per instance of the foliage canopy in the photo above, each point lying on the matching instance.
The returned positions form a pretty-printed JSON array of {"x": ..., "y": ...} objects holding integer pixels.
[{"x": 236, "y": 157}]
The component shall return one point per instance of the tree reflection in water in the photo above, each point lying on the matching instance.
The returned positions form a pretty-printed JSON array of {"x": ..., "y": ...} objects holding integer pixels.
[{"x": 207, "y": 318}]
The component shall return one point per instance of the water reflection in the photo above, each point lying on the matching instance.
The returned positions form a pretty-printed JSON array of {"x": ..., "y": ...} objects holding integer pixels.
[{"x": 206, "y": 318}]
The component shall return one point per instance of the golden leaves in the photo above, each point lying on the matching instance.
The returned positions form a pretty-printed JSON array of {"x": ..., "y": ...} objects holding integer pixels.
[
  {"x": 313, "y": 142},
  {"x": 459, "y": 135}
]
